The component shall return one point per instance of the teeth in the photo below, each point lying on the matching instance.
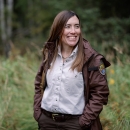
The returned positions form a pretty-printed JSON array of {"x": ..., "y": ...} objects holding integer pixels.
[{"x": 71, "y": 38}]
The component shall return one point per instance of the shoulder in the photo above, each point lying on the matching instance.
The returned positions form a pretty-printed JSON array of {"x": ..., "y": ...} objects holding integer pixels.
[
  {"x": 87, "y": 46},
  {"x": 96, "y": 58},
  {"x": 98, "y": 63}
]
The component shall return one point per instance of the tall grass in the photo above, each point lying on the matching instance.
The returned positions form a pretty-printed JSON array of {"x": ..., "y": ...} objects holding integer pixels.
[
  {"x": 17, "y": 90},
  {"x": 116, "y": 115},
  {"x": 16, "y": 93}
]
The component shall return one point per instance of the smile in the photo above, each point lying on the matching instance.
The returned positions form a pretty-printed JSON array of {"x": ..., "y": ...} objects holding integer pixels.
[{"x": 72, "y": 38}]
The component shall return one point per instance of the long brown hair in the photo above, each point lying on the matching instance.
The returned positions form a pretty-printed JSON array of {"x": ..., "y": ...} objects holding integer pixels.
[{"x": 56, "y": 32}]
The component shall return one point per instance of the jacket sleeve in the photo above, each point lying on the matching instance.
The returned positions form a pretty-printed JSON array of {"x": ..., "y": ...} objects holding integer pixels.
[
  {"x": 98, "y": 95},
  {"x": 38, "y": 94}
]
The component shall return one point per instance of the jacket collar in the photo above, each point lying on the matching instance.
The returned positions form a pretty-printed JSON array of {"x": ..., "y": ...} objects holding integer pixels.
[{"x": 88, "y": 51}]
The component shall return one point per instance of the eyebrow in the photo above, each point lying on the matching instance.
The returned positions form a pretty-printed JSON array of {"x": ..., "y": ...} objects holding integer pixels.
[{"x": 74, "y": 24}]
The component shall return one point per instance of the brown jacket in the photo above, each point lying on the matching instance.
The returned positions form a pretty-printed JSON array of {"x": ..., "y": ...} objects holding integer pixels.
[{"x": 95, "y": 86}]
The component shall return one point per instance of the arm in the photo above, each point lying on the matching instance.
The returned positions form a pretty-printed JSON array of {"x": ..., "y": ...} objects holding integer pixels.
[
  {"x": 98, "y": 96},
  {"x": 38, "y": 93}
]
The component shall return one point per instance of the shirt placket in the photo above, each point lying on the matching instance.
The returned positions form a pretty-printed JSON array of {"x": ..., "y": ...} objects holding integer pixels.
[{"x": 57, "y": 85}]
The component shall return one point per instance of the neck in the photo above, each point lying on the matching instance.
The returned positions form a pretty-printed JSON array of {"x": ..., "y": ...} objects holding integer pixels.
[{"x": 66, "y": 51}]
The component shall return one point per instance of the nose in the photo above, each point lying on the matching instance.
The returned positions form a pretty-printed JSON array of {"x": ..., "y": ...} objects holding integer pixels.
[{"x": 72, "y": 30}]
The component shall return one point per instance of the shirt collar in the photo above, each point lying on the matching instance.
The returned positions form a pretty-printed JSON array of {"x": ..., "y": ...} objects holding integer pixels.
[{"x": 74, "y": 52}]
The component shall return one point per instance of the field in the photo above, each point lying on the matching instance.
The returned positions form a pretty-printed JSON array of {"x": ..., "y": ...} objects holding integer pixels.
[{"x": 17, "y": 90}]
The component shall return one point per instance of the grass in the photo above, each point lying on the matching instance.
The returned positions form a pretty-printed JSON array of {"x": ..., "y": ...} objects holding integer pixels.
[
  {"x": 16, "y": 94},
  {"x": 17, "y": 90},
  {"x": 116, "y": 115}
]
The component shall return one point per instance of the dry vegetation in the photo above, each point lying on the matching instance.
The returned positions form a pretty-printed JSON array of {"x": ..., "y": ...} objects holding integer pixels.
[{"x": 16, "y": 94}]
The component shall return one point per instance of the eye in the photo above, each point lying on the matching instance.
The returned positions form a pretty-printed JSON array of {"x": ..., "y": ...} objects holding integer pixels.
[
  {"x": 77, "y": 26},
  {"x": 67, "y": 26}
]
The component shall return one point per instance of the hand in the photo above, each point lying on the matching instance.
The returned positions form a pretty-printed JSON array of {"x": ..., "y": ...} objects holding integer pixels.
[{"x": 86, "y": 127}]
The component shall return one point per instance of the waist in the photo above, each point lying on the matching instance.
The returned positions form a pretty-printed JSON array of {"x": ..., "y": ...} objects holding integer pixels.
[{"x": 59, "y": 117}]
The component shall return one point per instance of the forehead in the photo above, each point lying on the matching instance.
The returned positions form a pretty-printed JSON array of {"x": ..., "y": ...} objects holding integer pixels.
[{"x": 73, "y": 20}]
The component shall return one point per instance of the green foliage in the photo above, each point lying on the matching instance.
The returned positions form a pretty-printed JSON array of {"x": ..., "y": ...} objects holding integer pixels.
[
  {"x": 114, "y": 8},
  {"x": 116, "y": 115},
  {"x": 16, "y": 94},
  {"x": 102, "y": 21},
  {"x": 36, "y": 18},
  {"x": 112, "y": 29},
  {"x": 17, "y": 90}
]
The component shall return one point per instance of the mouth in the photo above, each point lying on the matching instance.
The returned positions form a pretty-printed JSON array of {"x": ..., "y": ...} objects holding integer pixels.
[{"x": 72, "y": 37}]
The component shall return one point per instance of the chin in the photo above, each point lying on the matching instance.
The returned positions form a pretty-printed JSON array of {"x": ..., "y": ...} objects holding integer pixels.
[{"x": 72, "y": 43}]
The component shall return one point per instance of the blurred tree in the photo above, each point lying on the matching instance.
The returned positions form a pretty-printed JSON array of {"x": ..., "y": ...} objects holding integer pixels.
[
  {"x": 35, "y": 17},
  {"x": 9, "y": 17},
  {"x": 115, "y": 8},
  {"x": 101, "y": 20},
  {"x": 2, "y": 18},
  {"x": 6, "y": 24}
]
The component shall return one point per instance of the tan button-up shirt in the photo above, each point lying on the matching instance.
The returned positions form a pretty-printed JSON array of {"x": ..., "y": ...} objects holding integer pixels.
[{"x": 64, "y": 92}]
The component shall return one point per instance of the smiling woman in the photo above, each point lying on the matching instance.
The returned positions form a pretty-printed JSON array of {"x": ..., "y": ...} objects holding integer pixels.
[
  {"x": 70, "y": 36},
  {"x": 75, "y": 90},
  {"x": 71, "y": 32}
]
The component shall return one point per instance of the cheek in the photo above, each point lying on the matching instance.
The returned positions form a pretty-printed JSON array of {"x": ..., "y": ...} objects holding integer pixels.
[
  {"x": 79, "y": 32},
  {"x": 65, "y": 33},
  {"x": 63, "y": 38}
]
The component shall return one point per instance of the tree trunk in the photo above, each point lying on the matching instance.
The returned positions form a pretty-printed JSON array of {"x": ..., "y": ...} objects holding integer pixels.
[
  {"x": 3, "y": 29},
  {"x": 2, "y": 18},
  {"x": 6, "y": 29},
  {"x": 9, "y": 18}
]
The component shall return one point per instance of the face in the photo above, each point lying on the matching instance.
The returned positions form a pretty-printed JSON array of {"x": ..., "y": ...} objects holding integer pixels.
[{"x": 71, "y": 32}]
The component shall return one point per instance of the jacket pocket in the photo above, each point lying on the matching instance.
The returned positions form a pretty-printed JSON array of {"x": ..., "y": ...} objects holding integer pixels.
[{"x": 37, "y": 113}]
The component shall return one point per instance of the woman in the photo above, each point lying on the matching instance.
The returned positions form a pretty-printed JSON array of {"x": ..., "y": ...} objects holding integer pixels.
[{"x": 75, "y": 84}]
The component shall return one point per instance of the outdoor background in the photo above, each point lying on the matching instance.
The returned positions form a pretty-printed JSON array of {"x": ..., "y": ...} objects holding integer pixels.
[{"x": 24, "y": 27}]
